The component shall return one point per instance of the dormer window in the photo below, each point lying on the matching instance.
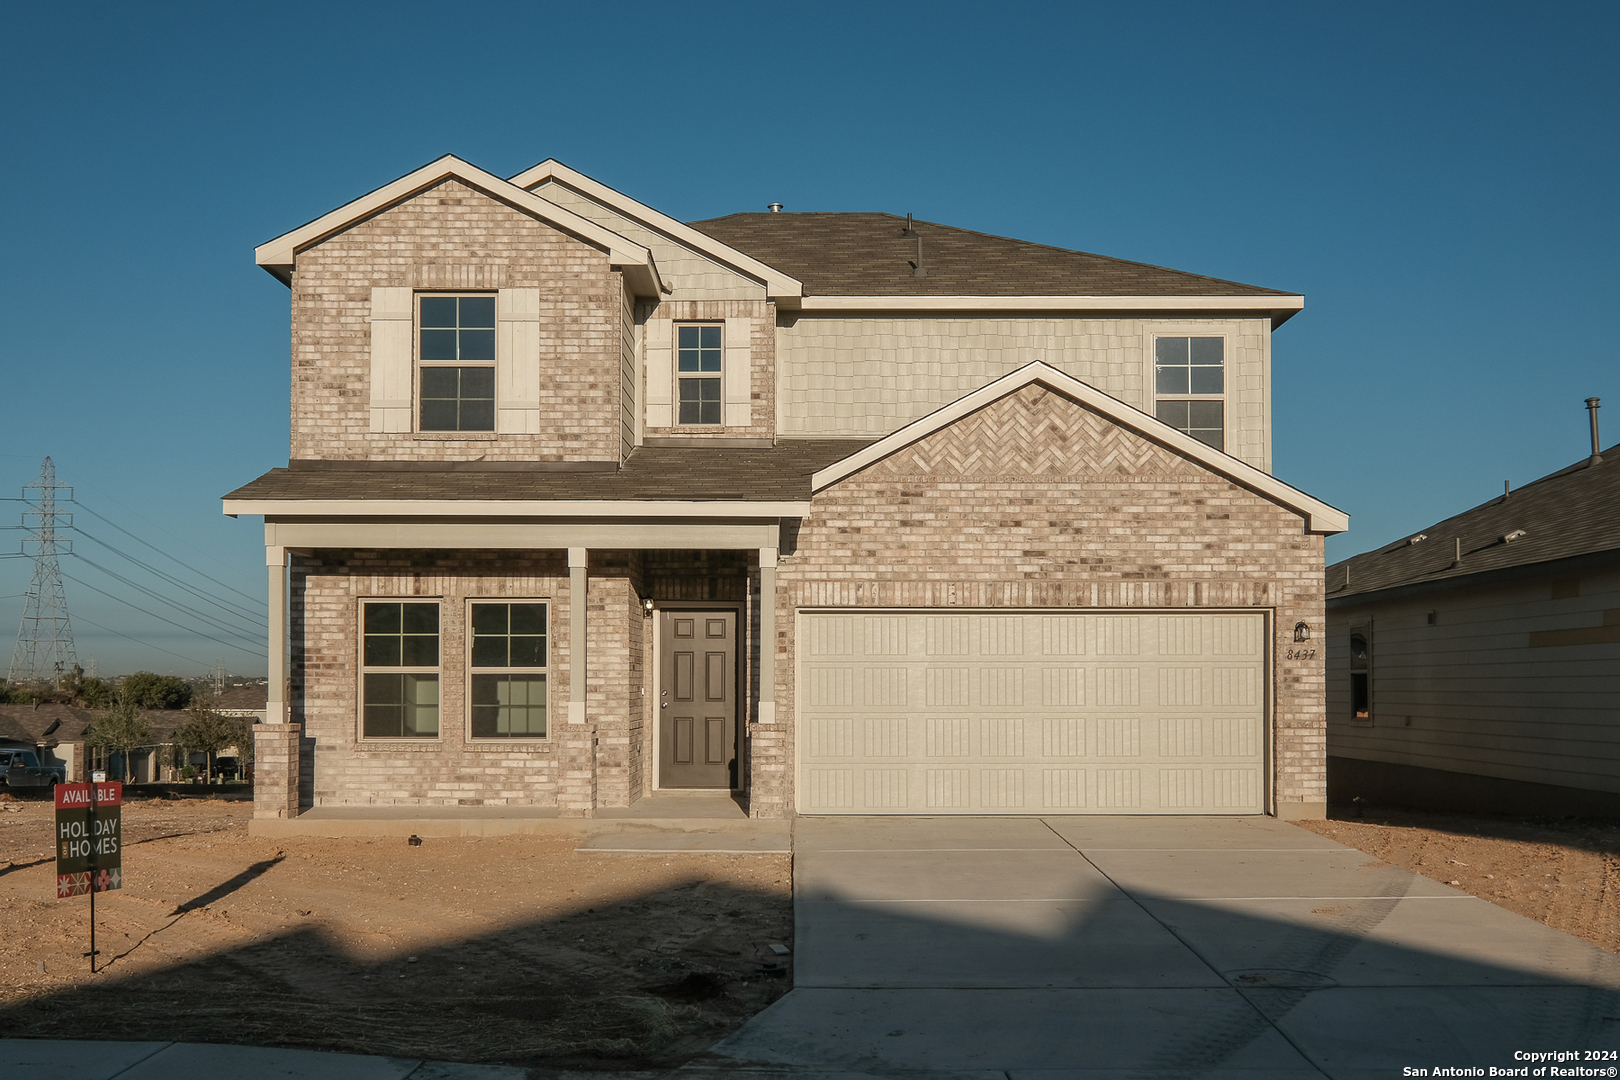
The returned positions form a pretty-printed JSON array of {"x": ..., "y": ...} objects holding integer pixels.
[
  {"x": 1189, "y": 383},
  {"x": 456, "y": 362},
  {"x": 699, "y": 353}
]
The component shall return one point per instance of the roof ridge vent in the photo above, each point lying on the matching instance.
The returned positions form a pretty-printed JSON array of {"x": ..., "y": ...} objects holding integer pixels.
[
  {"x": 1418, "y": 539},
  {"x": 775, "y": 207},
  {"x": 1516, "y": 534}
]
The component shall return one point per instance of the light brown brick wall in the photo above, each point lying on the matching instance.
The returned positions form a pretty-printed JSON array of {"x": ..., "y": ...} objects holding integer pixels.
[
  {"x": 1036, "y": 501},
  {"x": 761, "y": 357},
  {"x": 452, "y": 237}
]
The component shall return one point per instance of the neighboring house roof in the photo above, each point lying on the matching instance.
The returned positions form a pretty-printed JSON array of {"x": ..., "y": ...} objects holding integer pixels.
[
  {"x": 869, "y": 255},
  {"x": 28, "y": 723},
  {"x": 1572, "y": 512},
  {"x": 761, "y": 477},
  {"x": 251, "y": 696},
  {"x": 1320, "y": 517},
  {"x": 777, "y": 284},
  {"x": 279, "y": 256}
]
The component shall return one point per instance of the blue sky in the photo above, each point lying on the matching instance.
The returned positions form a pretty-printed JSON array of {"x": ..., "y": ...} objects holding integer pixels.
[{"x": 1438, "y": 180}]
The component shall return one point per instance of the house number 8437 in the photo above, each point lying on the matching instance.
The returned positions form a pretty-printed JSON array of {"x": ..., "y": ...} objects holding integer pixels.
[{"x": 1300, "y": 654}]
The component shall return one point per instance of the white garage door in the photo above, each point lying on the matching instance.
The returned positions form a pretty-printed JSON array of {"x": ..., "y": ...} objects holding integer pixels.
[{"x": 1041, "y": 713}]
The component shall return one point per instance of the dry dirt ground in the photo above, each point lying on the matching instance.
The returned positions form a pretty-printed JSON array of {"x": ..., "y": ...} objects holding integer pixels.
[
  {"x": 516, "y": 950},
  {"x": 1564, "y": 872}
]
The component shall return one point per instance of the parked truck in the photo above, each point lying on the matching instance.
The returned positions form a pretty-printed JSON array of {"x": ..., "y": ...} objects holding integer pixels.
[{"x": 22, "y": 770}]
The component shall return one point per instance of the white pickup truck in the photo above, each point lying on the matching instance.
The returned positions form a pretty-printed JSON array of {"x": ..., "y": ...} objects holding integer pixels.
[{"x": 21, "y": 769}]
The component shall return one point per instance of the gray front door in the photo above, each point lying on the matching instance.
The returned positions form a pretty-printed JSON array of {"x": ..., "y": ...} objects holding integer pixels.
[{"x": 697, "y": 700}]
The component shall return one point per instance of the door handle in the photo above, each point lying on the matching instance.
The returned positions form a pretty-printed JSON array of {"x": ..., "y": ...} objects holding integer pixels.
[{"x": 663, "y": 705}]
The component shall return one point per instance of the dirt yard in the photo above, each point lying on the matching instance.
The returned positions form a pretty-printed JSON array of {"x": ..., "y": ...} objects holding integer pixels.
[
  {"x": 1562, "y": 872},
  {"x": 515, "y": 950}
]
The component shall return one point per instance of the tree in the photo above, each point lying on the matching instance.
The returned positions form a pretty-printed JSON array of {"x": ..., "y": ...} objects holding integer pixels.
[
  {"x": 122, "y": 727},
  {"x": 207, "y": 732},
  {"x": 157, "y": 691},
  {"x": 97, "y": 693}
]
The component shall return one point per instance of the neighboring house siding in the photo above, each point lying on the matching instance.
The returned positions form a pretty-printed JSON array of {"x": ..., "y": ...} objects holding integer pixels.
[
  {"x": 1037, "y": 502},
  {"x": 869, "y": 376},
  {"x": 1512, "y": 681},
  {"x": 451, "y": 237},
  {"x": 690, "y": 275}
]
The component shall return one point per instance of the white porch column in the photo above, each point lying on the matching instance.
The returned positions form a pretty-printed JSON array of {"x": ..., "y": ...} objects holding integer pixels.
[
  {"x": 275, "y": 558},
  {"x": 767, "y": 635},
  {"x": 578, "y": 560}
]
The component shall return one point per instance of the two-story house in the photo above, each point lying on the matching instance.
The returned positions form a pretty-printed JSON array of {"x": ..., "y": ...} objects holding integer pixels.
[{"x": 842, "y": 512}]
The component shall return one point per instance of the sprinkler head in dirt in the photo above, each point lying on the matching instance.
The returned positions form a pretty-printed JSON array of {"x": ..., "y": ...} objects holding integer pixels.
[{"x": 414, "y": 841}]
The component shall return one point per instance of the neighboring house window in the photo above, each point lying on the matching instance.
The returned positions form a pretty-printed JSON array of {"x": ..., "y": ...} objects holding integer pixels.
[
  {"x": 508, "y": 670},
  {"x": 1360, "y": 670},
  {"x": 399, "y": 670},
  {"x": 1189, "y": 379},
  {"x": 456, "y": 358},
  {"x": 698, "y": 352}
]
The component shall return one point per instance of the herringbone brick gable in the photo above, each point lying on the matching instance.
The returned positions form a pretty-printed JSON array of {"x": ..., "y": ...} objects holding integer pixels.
[{"x": 1036, "y": 433}]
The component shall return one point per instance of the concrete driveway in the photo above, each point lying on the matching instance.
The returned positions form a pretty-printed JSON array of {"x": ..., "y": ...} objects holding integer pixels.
[{"x": 1155, "y": 947}]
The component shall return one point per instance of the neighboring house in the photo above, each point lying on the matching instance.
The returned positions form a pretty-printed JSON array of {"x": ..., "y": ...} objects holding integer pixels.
[
  {"x": 55, "y": 732},
  {"x": 1476, "y": 664},
  {"x": 842, "y": 513}
]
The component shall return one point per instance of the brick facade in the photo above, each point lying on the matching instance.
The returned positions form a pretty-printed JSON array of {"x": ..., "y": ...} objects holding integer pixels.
[
  {"x": 452, "y": 237},
  {"x": 1037, "y": 502}
]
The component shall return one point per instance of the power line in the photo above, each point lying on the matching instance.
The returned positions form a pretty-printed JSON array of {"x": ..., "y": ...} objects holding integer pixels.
[
  {"x": 136, "y": 640},
  {"x": 160, "y": 618},
  {"x": 251, "y": 599},
  {"x": 246, "y": 635},
  {"x": 171, "y": 579}
]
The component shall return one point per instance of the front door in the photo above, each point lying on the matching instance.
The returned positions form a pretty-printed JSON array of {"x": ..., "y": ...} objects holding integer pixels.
[{"x": 697, "y": 700}]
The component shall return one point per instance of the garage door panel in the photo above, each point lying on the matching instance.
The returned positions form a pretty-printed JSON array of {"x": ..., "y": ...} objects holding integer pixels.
[{"x": 1031, "y": 713}]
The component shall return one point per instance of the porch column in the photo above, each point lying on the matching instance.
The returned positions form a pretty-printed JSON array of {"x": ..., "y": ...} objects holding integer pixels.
[
  {"x": 275, "y": 559},
  {"x": 767, "y": 635},
  {"x": 577, "y": 562}
]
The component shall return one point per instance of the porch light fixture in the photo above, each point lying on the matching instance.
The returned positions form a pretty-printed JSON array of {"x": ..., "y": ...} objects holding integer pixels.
[
  {"x": 646, "y": 606},
  {"x": 1302, "y": 631}
]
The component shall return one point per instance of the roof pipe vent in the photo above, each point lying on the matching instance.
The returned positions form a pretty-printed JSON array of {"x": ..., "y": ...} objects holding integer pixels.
[
  {"x": 775, "y": 207},
  {"x": 917, "y": 268},
  {"x": 1591, "y": 409}
]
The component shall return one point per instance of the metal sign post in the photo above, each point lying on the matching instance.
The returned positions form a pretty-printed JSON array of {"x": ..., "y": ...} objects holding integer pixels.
[{"x": 89, "y": 844}]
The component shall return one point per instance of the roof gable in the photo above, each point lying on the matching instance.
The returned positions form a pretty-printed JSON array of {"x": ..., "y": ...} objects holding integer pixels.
[
  {"x": 1320, "y": 517},
  {"x": 279, "y": 256},
  {"x": 777, "y": 284}
]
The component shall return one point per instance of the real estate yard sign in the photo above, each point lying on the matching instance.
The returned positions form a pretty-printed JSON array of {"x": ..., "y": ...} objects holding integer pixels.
[
  {"x": 89, "y": 838},
  {"x": 89, "y": 843}
]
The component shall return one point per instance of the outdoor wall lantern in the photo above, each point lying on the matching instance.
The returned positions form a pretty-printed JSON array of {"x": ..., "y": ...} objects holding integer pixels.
[
  {"x": 1302, "y": 631},
  {"x": 646, "y": 607}
]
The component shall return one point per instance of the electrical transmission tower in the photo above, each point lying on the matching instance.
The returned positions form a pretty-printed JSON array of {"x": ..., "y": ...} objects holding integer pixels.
[
  {"x": 218, "y": 675},
  {"x": 44, "y": 650}
]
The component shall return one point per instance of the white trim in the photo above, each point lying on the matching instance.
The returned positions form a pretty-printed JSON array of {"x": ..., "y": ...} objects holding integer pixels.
[
  {"x": 280, "y": 254},
  {"x": 527, "y": 508},
  {"x": 1283, "y": 303},
  {"x": 1320, "y": 517},
  {"x": 777, "y": 284}
]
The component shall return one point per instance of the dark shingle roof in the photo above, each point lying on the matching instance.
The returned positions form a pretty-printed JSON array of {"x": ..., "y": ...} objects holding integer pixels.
[
  {"x": 1575, "y": 511},
  {"x": 867, "y": 255},
  {"x": 701, "y": 473}
]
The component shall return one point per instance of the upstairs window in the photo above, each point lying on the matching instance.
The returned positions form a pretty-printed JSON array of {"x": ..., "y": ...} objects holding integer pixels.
[
  {"x": 399, "y": 667},
  {"x": 1189, "y": 381},
  {"x": 699, "y": 349},
  {"x": 1360, "y": 672},
  {"x": 456, "y": 358},
  {"x": 508, "y": 671}
]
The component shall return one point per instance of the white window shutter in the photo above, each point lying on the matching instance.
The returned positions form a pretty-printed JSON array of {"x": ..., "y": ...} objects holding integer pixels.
[
  {"x": 392, "y": 318},
  {"x": 739, "y": 373},
  {"x": 517, "y": 361},
  {"x": 660, "y": 340}
]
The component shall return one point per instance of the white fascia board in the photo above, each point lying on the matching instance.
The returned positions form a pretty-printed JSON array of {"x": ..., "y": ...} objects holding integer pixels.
[
  {"x": 281, "y": 253},
  {"x": 777, "y": 284},
  {"x": 1320, "y": 517},
  {"x": 510, "y": 508},
  {"x": 1290, "y": 303}
]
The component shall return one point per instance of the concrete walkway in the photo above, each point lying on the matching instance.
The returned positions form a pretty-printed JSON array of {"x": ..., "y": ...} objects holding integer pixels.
[{"x": 1153, "y": 947}]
